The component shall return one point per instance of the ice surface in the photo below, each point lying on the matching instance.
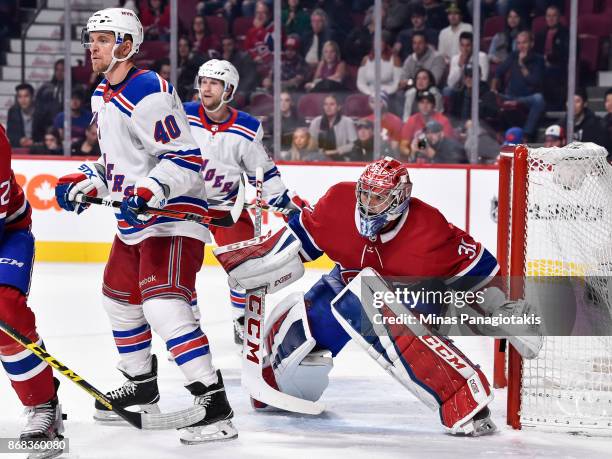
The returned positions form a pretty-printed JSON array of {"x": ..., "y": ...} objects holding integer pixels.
[{"x": 368, "y": 414}]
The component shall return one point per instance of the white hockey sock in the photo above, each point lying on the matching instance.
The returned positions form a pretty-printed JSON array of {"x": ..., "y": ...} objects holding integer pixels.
[
  {"x": 238, "y": 299},
  {"x": 173, "y": 320},
  {"x": 132, "y": 336}
]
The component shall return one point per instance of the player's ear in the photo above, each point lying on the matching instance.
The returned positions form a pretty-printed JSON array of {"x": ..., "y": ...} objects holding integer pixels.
[{"x": 126, "y": 47}]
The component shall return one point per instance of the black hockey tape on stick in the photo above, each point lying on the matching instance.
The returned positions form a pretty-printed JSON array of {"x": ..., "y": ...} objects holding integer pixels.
[
  {"x": 227, "y": 220},
  {"x": 146, "y": 421},
  {"x": 264, "y": 207}
]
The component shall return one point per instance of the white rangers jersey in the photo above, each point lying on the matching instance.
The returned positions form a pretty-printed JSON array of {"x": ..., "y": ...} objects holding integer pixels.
[
  {"x": 143, "y": 131},
  {"x": 230, "y": 148}
]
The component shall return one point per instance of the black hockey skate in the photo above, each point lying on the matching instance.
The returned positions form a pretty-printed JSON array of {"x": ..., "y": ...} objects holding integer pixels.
[
  {"x": 217, "y": 424},
  {"x": 239, "y": 331},
  {"x": 139, "y": 392},
  {"x": 45, "y": 424}
]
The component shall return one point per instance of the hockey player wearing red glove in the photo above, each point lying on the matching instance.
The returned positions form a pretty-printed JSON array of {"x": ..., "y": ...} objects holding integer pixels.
[
  {"x": 373, "y": 224},
  {"x": 31, "y": 378},
  {"x": 232, "y": 142},
  {"x": 149, "y": 159}
]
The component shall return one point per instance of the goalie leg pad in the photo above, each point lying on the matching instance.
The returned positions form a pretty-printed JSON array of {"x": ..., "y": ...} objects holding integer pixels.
[
  {"x": 298, "y": 370},
  {"x": 430, "y": 367},
  {"x": 270, "y": 261}
]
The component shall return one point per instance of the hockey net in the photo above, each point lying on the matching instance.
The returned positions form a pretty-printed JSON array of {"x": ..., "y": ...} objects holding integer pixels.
[{"x": 555, "y": 219}]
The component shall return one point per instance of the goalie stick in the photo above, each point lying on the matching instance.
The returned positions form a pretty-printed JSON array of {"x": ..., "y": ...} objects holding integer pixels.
[
  {"x": 252, "y": 352},
  {"x": 145, "y": 421},
  {"x": 227, "y": 220}
]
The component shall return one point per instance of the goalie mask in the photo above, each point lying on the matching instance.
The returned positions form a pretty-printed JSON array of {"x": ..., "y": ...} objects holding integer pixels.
[
  {"x": 383, "y": 192},
  {"x": 221, "y": 70},
  {"x": 119, "y": 21}
]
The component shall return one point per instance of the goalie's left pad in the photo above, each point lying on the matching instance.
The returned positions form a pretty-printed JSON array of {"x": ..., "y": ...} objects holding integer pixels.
[
  {"x": 270, "y": 261},
  {"x": 431, "y": 367}
]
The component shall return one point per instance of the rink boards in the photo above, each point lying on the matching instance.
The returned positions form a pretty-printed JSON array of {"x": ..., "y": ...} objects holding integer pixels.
[{"x": 466, "y": 195}]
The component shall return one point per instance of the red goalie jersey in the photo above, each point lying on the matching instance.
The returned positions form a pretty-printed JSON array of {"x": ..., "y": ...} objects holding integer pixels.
[{"x": 422, "y": 243}]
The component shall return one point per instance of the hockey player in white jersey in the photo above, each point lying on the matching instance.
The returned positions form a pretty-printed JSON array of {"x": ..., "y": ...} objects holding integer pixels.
[
  {"x": 149, "y": 159},
  {"x": 232, "y": 140}
]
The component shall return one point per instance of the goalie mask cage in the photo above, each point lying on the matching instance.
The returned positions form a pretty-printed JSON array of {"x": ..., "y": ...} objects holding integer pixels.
[{"x": 555, "y": 219}]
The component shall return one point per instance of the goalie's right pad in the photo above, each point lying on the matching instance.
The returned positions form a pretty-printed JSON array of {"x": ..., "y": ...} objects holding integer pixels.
[
  {"x": 289, "y": 344},
  {"x": 431, "y": 367},
  {"x": 270, "y": 261}
]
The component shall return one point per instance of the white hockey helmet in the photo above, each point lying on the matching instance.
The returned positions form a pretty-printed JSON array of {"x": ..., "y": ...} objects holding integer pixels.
[
  {"x": 121, "y": 22},
  {"x": 219, "y": 70}
]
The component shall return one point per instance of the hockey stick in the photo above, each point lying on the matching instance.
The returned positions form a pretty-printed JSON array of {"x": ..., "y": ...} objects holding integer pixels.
[
  {"x": 145, "y": 421},
  {"x": 223, "y": 204},
  {"x": 227, "y": 220},
  {"x": 252, "y": 352}
]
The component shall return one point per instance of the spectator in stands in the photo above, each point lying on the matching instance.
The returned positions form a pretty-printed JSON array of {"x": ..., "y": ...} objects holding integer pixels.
[
  {"x": 202, "y": 41},
  {"x": 338, "y": 19},
  {"x": 432, "y": 146},
  {"x": 243, "y": 63},
  {"x": 481, "y": 144},
  {"x": 51, "y": 144},
  {"x": 363, "y": 148},
  {"x": 88, "y": 146},
  {"x": 504, "y": 43},
  {"x": 437, "y": 18},
  {"x": 332, "y": 132},
  {"x": 396, "y": 14},
  {"x": 390, "y": 123},
  {"x": 526, "y": 76},
  {"x": 49, "y": 99},
  {"x": 258, "y": 41},
  {"x": 448, "y": 40},
  {"x": 24, "y": 125},
  {"x": 81, "y": 118},
  {"x": 423, "y": 81},
  {"x": 427, "y": 112},
  {"x": 188, "y": 65},
  {"x": 155, "y": 20},
  {"x": 331, "y": 71},
  {"x": 423, "y": 57},
  {"x": 513, "y": 136},
  {"x": 461, "y": 99},
  {"x": 163, "y": 68},
  {"x": 359, "y": 41},
  {"x": 403, "y": 42},
  {"x": 314, "y": 40},
  {"x": 294, "y": 69},
  {"x": 458, "y": 62},
  {"x": 587, "y": 126},
  {"x": 607, "y": 122},
  {"x": 553, "y": 44},
  {"x": 295, "y": 19},
  {"x": 554, "y": 136},
  {"x": 302, "y": 148},
  {"x": 290, "y": 120},
  {"x": 390, "y": 69}
]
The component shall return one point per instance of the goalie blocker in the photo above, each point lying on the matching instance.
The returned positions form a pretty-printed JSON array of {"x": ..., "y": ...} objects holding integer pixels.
[{"x": 298, "y": 354}]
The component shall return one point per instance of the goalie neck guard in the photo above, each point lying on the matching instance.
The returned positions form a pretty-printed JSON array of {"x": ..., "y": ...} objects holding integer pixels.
[{"x": 383, "y": 192}]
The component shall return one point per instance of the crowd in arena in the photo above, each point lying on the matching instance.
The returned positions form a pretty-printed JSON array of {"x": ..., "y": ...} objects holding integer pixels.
[{"x": 328, "y": 77}]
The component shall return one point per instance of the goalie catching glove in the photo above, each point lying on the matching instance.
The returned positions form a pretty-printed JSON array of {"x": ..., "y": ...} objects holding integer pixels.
[
  {"x": 90, "y": 181},
  {"x": 270, "y": 261},
  {"x": 147, "y": 192}
]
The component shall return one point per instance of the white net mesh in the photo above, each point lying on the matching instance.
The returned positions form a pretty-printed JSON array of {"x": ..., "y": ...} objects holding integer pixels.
[{"x": 569, "y": 232}]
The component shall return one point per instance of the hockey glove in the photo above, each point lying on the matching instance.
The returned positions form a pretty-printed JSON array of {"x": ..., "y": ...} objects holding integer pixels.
[
  {"x": 289, "y": 200},
  {"x": 89, "y": 181},
  {"x": 147, "y": 192}
]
